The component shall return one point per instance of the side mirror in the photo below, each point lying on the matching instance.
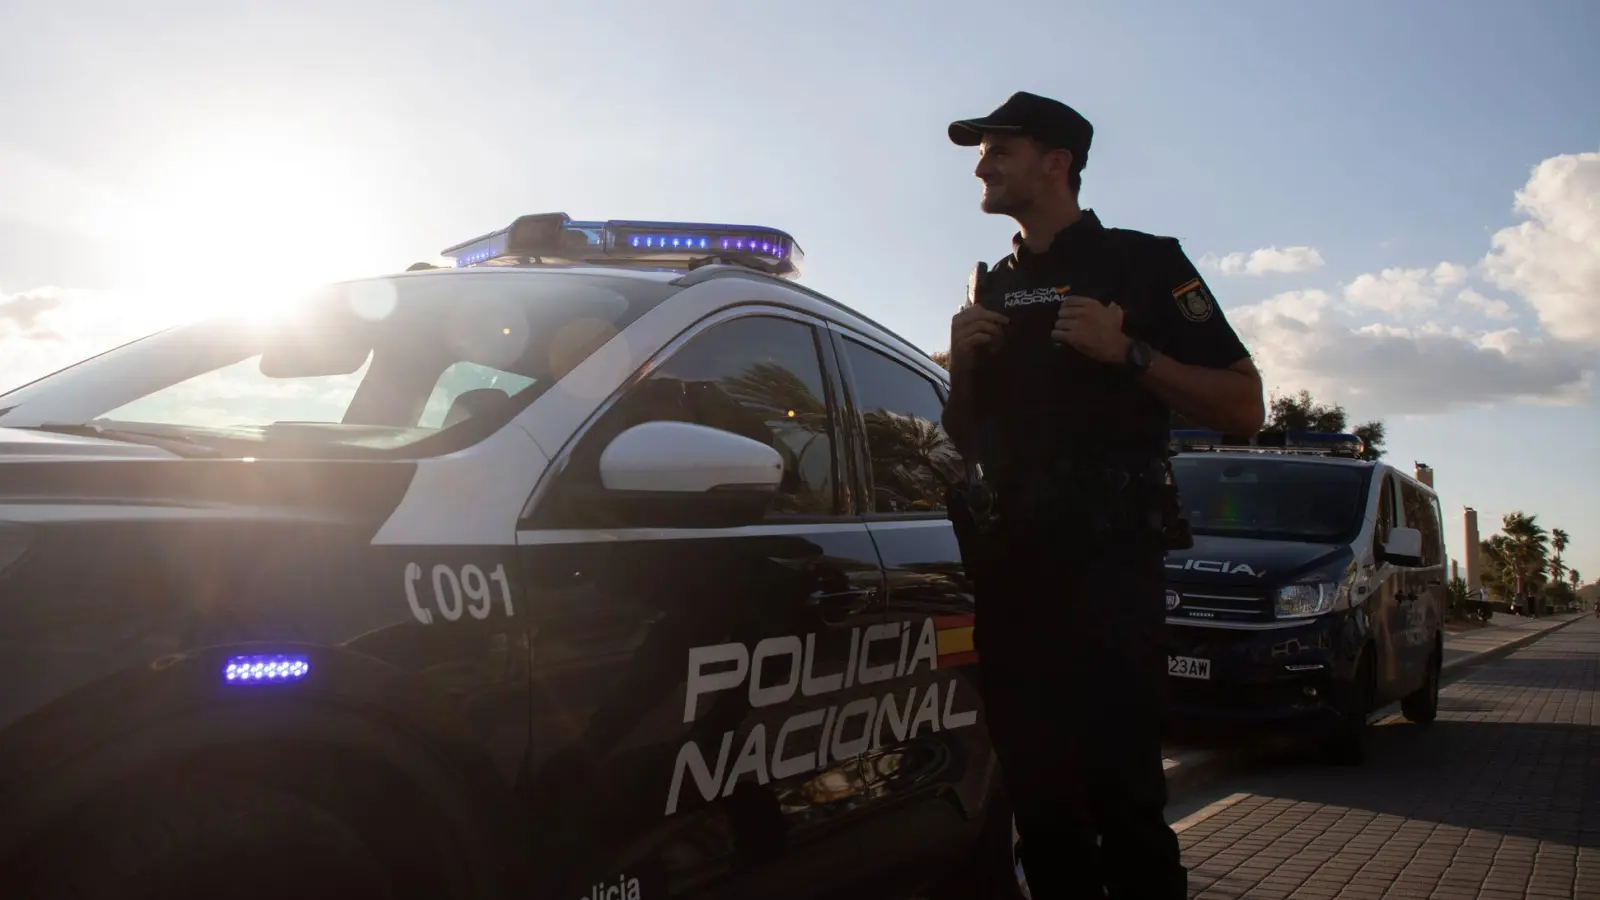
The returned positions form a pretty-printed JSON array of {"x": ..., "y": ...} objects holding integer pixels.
[
  {"x": 681, "y": 474},
  {"x": 1403, "y": 548}
]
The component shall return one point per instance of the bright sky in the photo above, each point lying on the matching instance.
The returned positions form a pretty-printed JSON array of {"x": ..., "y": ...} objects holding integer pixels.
[{"x": 1397, "y": 204}]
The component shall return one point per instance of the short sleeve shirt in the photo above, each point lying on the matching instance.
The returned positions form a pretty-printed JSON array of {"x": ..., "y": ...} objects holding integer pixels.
[{"x": 1047, "y": 400}]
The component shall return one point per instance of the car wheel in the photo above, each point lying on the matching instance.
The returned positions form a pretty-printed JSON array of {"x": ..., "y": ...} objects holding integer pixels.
[
  {"x": 1347, "y": 745},
  {"x": 1019, "y": 876},
  {"x": 1422, "y": 705},
  {"x": 994, "y": 871}
]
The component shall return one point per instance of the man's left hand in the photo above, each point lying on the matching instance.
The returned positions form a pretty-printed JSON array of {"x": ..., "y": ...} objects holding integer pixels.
[{"x": 1092, "y": 328}]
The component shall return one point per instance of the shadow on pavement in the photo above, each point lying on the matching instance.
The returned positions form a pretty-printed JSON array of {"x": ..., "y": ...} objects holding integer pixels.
[{"x": 1522, "y": 779}]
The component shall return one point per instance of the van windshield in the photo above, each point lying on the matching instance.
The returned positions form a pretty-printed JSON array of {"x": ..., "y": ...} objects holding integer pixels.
[{"x": 1272, "y": 498}]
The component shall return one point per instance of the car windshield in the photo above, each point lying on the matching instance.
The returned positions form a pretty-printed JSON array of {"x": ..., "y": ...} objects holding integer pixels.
[
  {"x": 1272, "y": 498},
  {"x": 404, "y": 365}
]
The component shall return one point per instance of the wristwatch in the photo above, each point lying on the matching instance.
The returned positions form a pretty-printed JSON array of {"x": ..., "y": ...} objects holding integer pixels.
[{"x": 1138, "y": 358}]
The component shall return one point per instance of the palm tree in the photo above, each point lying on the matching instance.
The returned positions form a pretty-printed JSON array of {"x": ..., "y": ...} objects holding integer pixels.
[
  {"x": 1558, "y": 542},
  {"x": 1526, "y": 550}
]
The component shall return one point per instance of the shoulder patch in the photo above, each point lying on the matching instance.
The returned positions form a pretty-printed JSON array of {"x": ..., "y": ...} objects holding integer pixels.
[{"x": 1193, "y": 300}]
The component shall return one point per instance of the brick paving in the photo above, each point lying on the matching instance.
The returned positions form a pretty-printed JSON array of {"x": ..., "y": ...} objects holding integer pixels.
[{"x": 1499, "y": 798}]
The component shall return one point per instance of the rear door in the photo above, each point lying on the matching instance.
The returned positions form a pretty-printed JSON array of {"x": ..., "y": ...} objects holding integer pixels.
[
  {"x": 930, "y": 756},
  {"x": 702, "y": 697}
]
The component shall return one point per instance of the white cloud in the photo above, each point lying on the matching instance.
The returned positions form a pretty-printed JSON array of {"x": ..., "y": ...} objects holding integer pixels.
[
  {"x": 1406, "y": 292},
  {"x": 1493, "y": 309},
  {"x": 1427, "y": 339},
  {"x": 44, "y": 329},
  {"x": 1267, "y": 260},
  {"x": 1553, "y": 258},
  {"x": 1308, "y": 340}
]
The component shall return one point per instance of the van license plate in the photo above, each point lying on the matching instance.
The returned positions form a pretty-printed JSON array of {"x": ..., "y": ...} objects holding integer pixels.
[{"x": 1189, "y": 667}]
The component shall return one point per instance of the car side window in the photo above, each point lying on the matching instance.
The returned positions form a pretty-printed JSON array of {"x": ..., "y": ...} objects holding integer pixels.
[
  {"x": 1385, "y": 510},
  {"x": 1419, "y": 512},
  {"x": 913, "y": 460},
  {"x": 757, "y": 376}
]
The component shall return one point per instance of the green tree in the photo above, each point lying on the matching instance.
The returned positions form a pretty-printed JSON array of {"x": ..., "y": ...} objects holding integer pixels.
[
  {"x": 1559, "y": 541},
  {"x": 1302, "y": 412},
  {"x": 1456, "y": 598},
  {"x": 942, "y": 357},
  {"x": 1517, "y": 559}
]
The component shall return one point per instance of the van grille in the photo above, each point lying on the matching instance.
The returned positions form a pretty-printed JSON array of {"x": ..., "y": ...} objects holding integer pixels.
[{"x": 1205, "y": 603}]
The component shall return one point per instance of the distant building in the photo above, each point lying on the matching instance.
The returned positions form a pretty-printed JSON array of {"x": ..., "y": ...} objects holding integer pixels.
[{"x": 1473, "y": 551}]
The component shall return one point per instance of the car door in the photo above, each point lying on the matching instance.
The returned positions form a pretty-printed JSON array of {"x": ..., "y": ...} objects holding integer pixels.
[
  {"x": 1418, "y": 586},
  {"x": 700, "y": 693},
  {"x": 1387, "y": 608},
  {"x": 931, "y": 757}
]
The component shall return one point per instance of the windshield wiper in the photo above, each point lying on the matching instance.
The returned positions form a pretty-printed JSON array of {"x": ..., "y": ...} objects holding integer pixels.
[{"x": 127, "y": 435}]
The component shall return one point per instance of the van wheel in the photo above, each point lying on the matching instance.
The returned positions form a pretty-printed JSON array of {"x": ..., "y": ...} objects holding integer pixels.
[
  {"x": 1347, "y": 745},
  {"x": 1422, "y": 705},
  {"x": 185, "y": 836}
]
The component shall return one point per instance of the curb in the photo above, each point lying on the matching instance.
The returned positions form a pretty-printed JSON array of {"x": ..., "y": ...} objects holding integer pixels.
[
  {"x": 1190, "y": 769},
  {"x": 1506, "y": 648}
]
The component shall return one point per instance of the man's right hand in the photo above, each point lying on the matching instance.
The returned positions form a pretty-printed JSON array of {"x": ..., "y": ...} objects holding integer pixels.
[{"x": 973, "y": 327}]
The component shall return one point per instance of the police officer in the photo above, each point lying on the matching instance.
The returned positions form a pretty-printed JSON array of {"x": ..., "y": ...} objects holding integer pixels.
[{"x": 1065, "y": 372}]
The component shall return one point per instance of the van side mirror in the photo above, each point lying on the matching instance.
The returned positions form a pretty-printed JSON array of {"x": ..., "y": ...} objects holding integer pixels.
[
  {"x": 686, "y": 475},
  {"x": 1403, "y": 548}
]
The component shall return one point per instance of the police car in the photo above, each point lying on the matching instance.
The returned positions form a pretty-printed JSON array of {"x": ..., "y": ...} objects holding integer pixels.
[
  {"x": 608, "y": 563},
  {"x": 1315, "y": 589}
]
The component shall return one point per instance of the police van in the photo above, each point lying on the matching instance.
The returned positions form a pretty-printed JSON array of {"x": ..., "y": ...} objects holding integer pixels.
[
  {"x": 1314, "y": 591},
  {"x": 607, "y": 562}
]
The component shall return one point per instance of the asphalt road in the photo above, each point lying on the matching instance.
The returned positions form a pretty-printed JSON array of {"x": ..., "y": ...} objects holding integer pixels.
[{"x": 1500, "y": 798}]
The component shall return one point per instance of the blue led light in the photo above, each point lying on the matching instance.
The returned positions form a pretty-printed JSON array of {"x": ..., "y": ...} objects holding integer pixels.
[
  {"x": 555, "y": 238},
  {"x": 265, "y": 669}
]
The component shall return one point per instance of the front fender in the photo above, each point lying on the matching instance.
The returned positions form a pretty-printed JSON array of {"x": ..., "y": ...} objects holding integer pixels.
[{"x": 178, "y": 705}]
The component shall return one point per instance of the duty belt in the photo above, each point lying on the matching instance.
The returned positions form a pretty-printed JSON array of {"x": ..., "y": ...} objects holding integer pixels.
[{"x": 1074, "y": 494}]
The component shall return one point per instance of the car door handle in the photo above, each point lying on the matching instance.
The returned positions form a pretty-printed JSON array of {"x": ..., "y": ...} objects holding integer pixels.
[{"x": 837, "y": 605}]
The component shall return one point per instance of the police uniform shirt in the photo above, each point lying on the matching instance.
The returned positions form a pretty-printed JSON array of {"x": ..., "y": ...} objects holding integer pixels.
[{"x": 1047, "y": 400}]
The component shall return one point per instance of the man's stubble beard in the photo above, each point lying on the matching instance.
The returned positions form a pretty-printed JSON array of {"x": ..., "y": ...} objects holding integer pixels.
[{"x": 1004, "y": 203}]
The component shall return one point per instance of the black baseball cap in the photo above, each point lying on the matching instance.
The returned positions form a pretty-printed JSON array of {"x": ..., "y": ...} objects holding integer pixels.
[{"x": 1047, "y": 121}]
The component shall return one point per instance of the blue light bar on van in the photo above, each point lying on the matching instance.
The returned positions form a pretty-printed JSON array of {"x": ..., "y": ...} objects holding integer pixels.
[
  {"x": 557, "y": 238},
  {"x": 1197, "y": 437},
  {"x": 1333, "y": 443},
  {"x": 265, "y": 669}
]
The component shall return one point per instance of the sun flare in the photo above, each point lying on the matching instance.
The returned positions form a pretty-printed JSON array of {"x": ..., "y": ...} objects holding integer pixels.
[{"x": 246, "y": 220}]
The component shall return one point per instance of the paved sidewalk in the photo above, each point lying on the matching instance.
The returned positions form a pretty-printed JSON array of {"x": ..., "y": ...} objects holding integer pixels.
[
  {"x": 1500, "y": 798},
  {"x": 1191, "y": 765},
  {"x": 1460, "y": 648}
]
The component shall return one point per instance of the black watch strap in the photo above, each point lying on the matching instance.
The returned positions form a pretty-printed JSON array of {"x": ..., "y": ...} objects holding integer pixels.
[{"x": 1138, "y": 358}]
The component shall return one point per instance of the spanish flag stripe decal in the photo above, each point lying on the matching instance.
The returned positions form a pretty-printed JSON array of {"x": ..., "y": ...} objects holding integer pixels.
[{"x": 954, "y": 637}]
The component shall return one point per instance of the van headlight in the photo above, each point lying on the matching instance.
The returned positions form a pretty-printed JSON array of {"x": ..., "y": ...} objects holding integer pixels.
[{"x": 1298, "y": 601}]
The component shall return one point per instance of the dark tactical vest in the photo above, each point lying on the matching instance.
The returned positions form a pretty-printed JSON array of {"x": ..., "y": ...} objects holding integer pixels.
[{"x": 1054, "y": 425}]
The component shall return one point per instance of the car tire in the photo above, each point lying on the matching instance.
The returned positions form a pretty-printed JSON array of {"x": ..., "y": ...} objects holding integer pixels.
[
  {"x": 197, "y": 836},
  {"x": 992, "y": 872},
  {"x": 1347, "y": 744},
  {"x": 1422, "y": 705}
]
